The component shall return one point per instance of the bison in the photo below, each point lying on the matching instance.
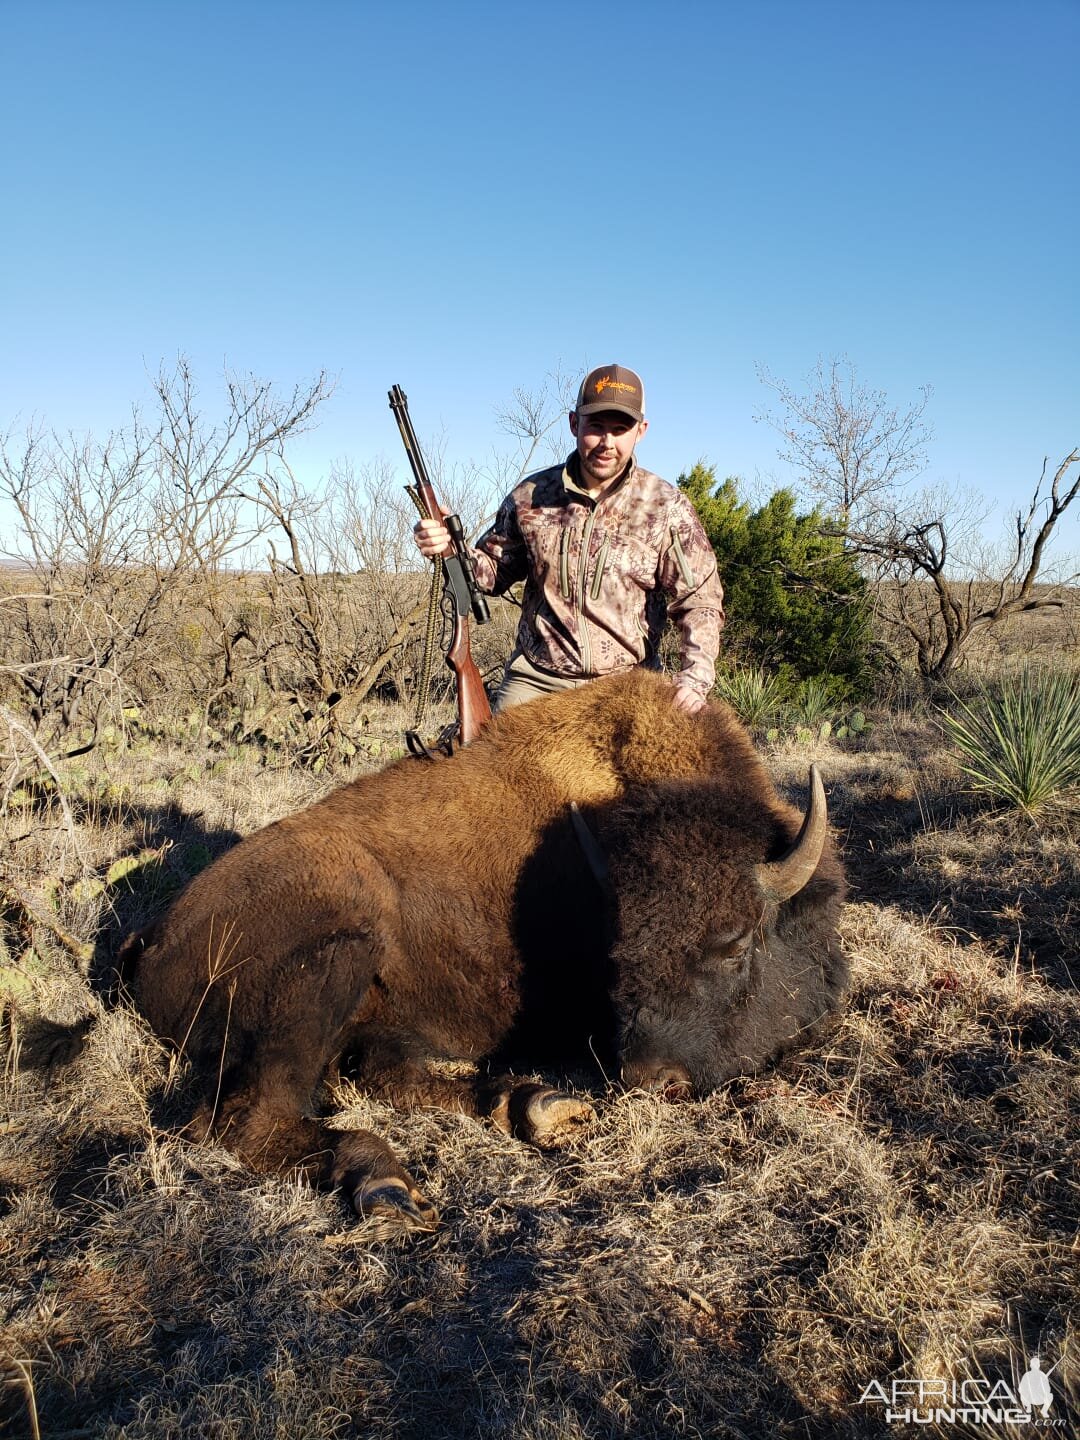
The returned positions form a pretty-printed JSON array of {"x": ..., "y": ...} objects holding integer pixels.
[{"x": 597, "y": 871}]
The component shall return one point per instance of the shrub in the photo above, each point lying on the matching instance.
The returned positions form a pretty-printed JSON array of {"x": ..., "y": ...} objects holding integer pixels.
[
  {"x": 814, "y": 703},
  {"x": 755, "y": 694},
  {"x": 794, "y": 599},
  {"x": 1020, "y": 740}
]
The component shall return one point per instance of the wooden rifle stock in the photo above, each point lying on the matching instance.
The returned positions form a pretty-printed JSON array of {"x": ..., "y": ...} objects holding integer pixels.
[{"x": 474, "y": 711}]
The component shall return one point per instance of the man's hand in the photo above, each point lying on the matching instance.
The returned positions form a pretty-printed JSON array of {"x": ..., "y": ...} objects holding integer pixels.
[
  {"x": 688, "y": 699},
  {"x": 432, "y": 539}
]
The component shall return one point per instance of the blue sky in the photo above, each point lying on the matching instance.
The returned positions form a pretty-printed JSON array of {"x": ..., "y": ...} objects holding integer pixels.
[{"x": 458, "y": 197}]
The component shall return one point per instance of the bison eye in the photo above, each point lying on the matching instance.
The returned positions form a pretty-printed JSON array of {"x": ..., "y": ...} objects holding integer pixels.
[
  {"x": 726, "y": 954},
  {"x": 727, "y": 949},
  {"x": 727, "y": 942}
]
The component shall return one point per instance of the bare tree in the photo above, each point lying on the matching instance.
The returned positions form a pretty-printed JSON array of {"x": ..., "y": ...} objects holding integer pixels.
[
  {"x": 142, "y": 566},
  {"x": 321, "y": 622},
  {"x": 937, "y": 584},
  {"x": 852, "y": 449},
  {"x": 940, "y": 586},
  {"x": 80, "y": 599},
  {"x": 202, "y": 466},
  {"x": 533, "y": 419},
  {"x": 108, "y": 532}
]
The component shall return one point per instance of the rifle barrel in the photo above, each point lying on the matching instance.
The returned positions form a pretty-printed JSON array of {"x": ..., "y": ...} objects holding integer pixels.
[
  {"x": 459, "y": 566},
  {"x": 399, "y": 404}
]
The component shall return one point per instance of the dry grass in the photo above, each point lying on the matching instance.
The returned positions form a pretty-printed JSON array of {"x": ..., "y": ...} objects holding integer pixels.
[{"x": 902, "y": 1201}]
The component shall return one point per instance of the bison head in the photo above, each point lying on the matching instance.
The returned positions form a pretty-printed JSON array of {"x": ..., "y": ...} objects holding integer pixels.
[{"x": 725, "y": 951}]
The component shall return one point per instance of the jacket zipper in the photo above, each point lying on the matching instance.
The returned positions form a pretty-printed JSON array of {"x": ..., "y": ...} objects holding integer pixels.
[
  {"x": 601, "y": 560},
  {"x": 586, "y": 652},
  {"x": 680, "y": 560},
  {"x": 564, "y": 562}
]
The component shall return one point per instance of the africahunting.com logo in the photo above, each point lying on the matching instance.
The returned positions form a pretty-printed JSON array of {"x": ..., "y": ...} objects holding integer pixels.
[{"x": 909, "y": 1400}]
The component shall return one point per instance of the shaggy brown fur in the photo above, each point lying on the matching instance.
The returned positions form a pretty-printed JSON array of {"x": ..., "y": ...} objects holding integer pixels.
[{"x": 444, "y": 909}]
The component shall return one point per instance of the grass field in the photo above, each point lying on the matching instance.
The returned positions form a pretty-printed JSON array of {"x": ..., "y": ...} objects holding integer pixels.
[{"x": 900, "y": 1202}]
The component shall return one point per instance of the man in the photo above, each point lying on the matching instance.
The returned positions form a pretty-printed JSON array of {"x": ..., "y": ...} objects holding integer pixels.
[{"x": 608, "y": 551}]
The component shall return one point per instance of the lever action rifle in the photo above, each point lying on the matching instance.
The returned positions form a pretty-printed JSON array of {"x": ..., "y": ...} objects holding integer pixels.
[{"x": 459, "y": 584}]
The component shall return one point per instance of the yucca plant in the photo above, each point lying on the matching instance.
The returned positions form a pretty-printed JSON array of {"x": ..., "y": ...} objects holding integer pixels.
[
  {"x": 814, "y": 704},
  {"x": 755, "y": 694},
  {"x": 1020, "y": 740}
]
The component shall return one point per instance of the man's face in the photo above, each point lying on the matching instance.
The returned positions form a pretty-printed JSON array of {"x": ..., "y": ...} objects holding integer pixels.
[{"x": 605, "y": 442}]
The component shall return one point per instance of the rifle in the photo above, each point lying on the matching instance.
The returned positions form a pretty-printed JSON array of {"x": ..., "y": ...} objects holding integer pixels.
[{"x": 459, "y": 581}]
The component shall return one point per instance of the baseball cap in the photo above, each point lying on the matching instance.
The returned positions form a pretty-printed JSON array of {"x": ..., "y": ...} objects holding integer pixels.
[{"x": 612, "y": 387}]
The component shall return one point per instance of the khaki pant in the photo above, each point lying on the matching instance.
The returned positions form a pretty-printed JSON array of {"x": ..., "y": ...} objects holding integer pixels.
[{"x": 523, "y": 681}]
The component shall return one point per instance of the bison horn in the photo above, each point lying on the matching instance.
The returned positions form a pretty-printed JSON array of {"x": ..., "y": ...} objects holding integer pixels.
[
  {"x": 590, "y": 847},
  {"x": 783, "y": 878}
]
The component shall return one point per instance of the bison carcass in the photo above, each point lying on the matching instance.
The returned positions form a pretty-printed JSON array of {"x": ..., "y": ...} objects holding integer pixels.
[{"x": 447, "y": 909}]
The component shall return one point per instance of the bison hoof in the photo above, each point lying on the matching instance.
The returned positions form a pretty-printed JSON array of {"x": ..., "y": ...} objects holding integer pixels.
[
  {"x": 390, "y": 1208},
  {"x": 547, "y": 1118}
]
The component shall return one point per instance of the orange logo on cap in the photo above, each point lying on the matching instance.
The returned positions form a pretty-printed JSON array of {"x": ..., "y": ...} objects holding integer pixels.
[{"x": 607, "y": 382}]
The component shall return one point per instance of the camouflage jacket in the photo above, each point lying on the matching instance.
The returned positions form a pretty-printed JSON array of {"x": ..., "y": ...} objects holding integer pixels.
[{"x": 603, "y": 576}]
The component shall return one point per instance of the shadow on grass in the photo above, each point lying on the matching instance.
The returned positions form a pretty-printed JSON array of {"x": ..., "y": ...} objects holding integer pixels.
[
  {"x": 946, "y": 856},
  {"x": 186, "y": 846}
]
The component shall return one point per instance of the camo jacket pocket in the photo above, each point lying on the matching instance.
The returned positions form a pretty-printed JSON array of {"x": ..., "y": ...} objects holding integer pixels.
[
  {"x": 547, "y": 536},
  {"x": 632, "y": 561}
]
